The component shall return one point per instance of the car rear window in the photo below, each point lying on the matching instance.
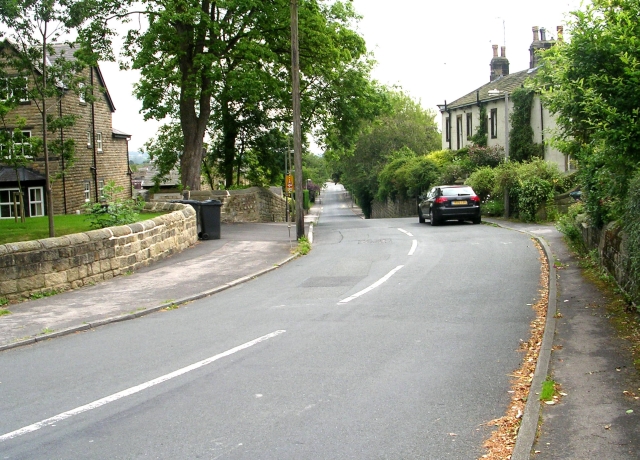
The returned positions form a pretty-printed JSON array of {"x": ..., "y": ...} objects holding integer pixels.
[{"x": 457, "y": 191}]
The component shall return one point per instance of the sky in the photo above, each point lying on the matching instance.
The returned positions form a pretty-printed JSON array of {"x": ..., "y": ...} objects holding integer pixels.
[{"x": 435, "y": 51}]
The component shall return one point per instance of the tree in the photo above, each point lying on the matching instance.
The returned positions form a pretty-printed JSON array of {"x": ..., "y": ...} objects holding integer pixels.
[
  {"x": 404, "y": 125},
  {"x": 33, "y": 26},
  {"x": 521, "y": 145},
  {"x": 592, "y": 84},
  {"x": 224, "y": 68}
]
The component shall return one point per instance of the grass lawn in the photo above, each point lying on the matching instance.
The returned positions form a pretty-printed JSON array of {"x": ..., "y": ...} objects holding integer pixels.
[{"x": 36, "y": 228}]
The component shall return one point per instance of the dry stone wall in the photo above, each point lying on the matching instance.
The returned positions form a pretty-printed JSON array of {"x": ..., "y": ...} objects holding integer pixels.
[
  {"x": 72, "y": 261},
  {"x": 394, "y": 208},
  {"x": 611, "y": 243},
  {"x": 255, "y": 204}
]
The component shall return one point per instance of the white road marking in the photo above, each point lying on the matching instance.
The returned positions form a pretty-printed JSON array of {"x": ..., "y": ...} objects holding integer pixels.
[
  {"x": 373, "y": 286},
  {"x": 414, "y": 245},
  {"x": 133, "y": 390},
  {"x": 405, "y": 232}
]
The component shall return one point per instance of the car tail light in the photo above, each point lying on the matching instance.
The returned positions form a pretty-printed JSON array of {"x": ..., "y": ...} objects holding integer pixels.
[
  {"x": 441, "y": 200},
  {"x": 475, "y": 198}
]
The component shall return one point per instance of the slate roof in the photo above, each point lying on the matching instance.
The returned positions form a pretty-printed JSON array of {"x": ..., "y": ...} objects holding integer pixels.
[
  {"x": 507, "y": 83},
  {"x": 8, "y": 174}
]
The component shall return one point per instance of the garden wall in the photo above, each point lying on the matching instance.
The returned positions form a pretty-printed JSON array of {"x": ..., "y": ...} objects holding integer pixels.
[
  {"x": 255, "y": 204},
  {"x": 610, "y": 242},
  {"x": 394, "y": 208},
  {"x": 72, "y": 261}
]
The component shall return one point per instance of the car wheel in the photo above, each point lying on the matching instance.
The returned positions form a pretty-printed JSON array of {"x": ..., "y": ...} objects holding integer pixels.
[
  {"x": 421, "y": 218},
  {"x": 477, "y": 220},
  {"x": 432, "y": 219}
]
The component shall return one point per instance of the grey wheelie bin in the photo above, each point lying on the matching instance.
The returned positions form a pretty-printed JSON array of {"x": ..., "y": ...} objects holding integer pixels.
[{"x": 209, "y": 219}]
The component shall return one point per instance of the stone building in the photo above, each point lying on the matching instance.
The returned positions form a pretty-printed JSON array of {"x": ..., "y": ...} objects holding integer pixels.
[
  {"x": 461, "y": 117},
  {"x": 100, "y": 152}
]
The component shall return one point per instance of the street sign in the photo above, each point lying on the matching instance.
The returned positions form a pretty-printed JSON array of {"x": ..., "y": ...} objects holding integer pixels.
[{"x": 289, "y": 182}]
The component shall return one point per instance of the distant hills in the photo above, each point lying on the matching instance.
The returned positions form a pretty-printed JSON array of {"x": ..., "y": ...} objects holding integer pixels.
[{"x": 138, "y": 157}]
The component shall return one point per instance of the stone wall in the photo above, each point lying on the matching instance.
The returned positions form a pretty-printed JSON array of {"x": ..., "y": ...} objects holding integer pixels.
[
  {"x": 255, "y": 204},
  {"x": 394, "y": 208},
  {"x": 72, "y": 261},
  {"x": 610, "y": 242}
]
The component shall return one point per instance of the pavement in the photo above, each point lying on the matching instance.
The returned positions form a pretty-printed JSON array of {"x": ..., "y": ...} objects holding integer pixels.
[{"x": 597, "y": 418}]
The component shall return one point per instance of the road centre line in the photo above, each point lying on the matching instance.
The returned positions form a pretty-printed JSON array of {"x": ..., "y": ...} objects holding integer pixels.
[
  {"x": 414, "y": 245},
  {"x": 405, "y": 232},
  {"x": 372, "y": 287},
  {"x": 133, "y": 390}
]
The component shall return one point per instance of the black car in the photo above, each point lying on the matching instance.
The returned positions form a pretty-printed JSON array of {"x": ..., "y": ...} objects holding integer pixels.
[{"x": 449, "y": 202}]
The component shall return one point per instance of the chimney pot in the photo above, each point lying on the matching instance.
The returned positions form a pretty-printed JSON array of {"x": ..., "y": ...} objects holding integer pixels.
[
  {"x": 543, "y": 34},
  {"x": 560, "y": 30},
  {"x": 495, "y": 50},
  {"x": 503, "y": 51},
  {"x": 535, "y": 33}
]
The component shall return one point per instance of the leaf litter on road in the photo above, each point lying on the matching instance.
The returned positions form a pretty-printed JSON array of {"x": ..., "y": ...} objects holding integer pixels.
[{"x": 503, "y": 439}]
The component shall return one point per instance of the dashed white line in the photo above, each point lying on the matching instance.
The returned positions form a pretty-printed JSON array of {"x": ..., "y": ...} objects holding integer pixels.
[
  {"x": 414, "y": 245},
  {"x": 133, "y": 390},
  {"x": 373, "y": 286}
]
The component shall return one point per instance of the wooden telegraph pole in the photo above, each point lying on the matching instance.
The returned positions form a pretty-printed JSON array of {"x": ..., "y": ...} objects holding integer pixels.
[{"x": 297, "y": 136}]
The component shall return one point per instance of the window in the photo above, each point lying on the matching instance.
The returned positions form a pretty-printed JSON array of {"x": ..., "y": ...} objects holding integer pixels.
[
  {"x": 447, "y": 129},
  {"x": 81, "y": 93},
  {"x": 89, "y": 139},
  {"x": 101, "y": 189},
  {"x": 14, "y": 88},
  {"x": 99, "y": 142},
  {"x": 6, "y": 202},
  {"x": 494, "y": 123},
  {"x": 469, "y": 125},
  {"x": 36, "y": 201},
  {"x": 87, "y": 191},
  {"x": 21, "y": 142},
  {"x": 458, "y": 132}
]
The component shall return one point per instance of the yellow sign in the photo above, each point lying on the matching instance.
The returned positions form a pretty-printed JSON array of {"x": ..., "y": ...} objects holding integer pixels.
[{"x": 289, "y": 182}]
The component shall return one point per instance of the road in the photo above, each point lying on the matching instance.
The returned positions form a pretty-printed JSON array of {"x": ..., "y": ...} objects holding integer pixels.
[{"x": 390, "y": 339}]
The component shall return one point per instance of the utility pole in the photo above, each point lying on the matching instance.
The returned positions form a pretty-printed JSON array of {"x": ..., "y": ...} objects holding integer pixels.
[{"x": 297, "y": 136}]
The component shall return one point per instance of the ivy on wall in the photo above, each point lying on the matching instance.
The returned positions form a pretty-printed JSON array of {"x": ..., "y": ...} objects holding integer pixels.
[
  {"x": 521, "y": 145},
  {"x": 482, "y": 132}
]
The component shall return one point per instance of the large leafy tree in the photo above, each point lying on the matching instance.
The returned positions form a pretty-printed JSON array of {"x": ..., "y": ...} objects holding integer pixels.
[
  {"x": 223, "y": 67},
  {"x": 403, "y": 126},
  {"x": 592, "y": 83}
]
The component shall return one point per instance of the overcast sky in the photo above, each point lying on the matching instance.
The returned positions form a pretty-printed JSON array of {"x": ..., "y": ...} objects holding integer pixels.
[{"x": 435, "y": 51}]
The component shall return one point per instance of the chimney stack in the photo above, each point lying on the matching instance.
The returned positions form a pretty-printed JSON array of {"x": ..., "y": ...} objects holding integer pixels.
[
  {"x": 499, "y": 64},
  {"x": 536, "y": 38}
]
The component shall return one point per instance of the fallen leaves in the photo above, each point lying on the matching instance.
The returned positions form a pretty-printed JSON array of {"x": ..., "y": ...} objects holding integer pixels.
[{"x": 503, "y": 439}]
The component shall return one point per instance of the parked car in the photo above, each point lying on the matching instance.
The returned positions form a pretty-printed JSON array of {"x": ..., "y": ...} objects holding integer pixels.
[{"x": 449, "y": 202}]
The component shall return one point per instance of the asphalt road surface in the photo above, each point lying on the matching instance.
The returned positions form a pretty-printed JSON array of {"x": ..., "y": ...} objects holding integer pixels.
[{"x": 390, "y": 339}]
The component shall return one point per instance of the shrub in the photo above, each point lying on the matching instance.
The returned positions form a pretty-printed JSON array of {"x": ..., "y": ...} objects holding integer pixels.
[
  {"x": 493, "y": 207},
  {"x": 482, "y": 181},
  {"x": 533, "y": 193},
  {"x": 113, "y": 211},
  {"x": 486, "y": 156},
  {"x": 566, "y": 224},
  {"x": 632, "y": 228}
]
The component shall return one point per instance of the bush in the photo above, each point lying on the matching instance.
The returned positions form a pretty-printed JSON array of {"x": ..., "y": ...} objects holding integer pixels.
[
  {"x": 533, "y": 193},
  {"x": 112, "y": 211},
  {"x": 482, "y": 181},
  {"x": 493, "y": 207},
  {"x": 486, "y": 156},
  {"x": 566, "y": 224}
]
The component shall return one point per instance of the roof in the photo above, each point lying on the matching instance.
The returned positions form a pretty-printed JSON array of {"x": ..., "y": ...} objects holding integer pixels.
[
  {"x": 8, "y": 174},
  {"x": 507, "y": 83},
  {"x": 67, "y": 51},
  {"x": 120, "y": 134}
]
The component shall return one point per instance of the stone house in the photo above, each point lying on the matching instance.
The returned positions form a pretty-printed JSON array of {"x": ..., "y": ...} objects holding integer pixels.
[
  {"x": 461, "y": 117},
  {"x": 100, "y": 151}
]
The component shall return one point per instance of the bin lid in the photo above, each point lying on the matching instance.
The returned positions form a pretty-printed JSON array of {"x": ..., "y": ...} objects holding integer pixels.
[{"x": 211, "y": 203}]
